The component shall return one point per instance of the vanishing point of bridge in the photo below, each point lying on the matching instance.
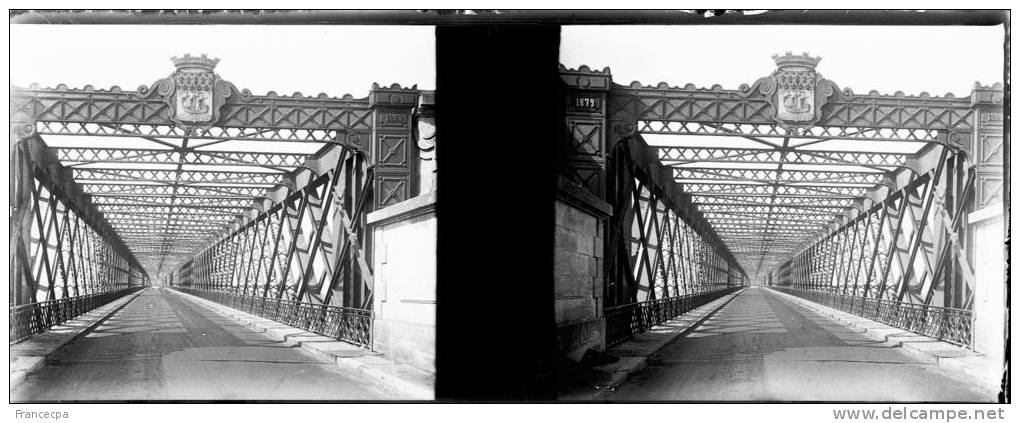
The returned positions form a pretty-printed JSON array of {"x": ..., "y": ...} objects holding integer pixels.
[{"x": 772, "y": 211}]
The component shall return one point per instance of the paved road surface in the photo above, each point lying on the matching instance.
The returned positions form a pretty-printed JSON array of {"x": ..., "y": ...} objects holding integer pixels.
[
  {"x": 161, "y": 347},
  {"x": 762, "y": 347}
]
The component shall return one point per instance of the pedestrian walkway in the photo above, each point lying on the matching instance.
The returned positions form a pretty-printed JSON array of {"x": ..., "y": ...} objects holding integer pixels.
[
  {"x": 163, "y": 347},
  {"x": 762, "y": 347}
]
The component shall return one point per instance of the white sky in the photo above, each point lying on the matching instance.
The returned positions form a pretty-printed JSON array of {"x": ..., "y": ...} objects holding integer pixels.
[
  {"x": 311, "y": 59},
  {"x": 911, "y": 59},
  {"x": 347, "y": 59}
]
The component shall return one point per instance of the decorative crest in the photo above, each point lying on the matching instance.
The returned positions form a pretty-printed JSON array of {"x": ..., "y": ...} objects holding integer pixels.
[
  {"x": 195, "y": 92},
  {"x": 797, "y": 99}
]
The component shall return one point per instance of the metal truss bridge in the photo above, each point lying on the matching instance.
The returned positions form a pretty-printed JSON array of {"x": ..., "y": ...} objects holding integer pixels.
[
  {"x": 257, "y": 202},
  {"x": 672, "y": 199},
  {"x": 870, "y": 204}
]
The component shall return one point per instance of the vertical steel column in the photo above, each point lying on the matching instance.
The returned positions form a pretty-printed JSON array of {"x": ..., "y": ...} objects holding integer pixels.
[
  {"x": 920, "y": 225},
  {"x": 22, "y": 186},
  {"x": 393, "y": 150},
  {"x": 585, "y": 149},
  {"x": 987, "y": 147}
]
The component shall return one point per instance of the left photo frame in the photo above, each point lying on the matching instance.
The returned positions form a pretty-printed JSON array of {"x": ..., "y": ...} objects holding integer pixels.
[{"x": 208, "y": 237}]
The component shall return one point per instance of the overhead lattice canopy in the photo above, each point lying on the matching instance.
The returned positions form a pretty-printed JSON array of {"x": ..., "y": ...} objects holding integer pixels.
[
  {"x": 767, "y": 197},
  {"x": 776, "y": 165},
  {"x": 172, "y": 166},
  {"x": 169, "y": 198}
]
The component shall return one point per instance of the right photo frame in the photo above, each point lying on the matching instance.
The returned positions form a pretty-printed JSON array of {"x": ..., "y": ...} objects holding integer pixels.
[{"x": 795, "y": 213}]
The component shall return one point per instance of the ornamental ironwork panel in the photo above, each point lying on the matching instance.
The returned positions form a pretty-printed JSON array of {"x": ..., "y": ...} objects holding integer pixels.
[
  {"x": 191, "y": 102},
  {"x": 795, "y": 101}
]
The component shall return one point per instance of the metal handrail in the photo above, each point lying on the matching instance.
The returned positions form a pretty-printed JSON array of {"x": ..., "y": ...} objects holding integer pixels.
[
  {"x": 29, "y": 319},
  {"x": 953, "y": 325},
  {"x": 353, "y": 325},
  {"x": 625, "y": 321}
]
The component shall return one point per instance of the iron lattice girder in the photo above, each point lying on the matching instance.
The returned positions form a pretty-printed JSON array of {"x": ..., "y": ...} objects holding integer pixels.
[
  {"x": 214, "y": 133},
  {"x": 775, "y": 130},
  {"x": 286, "y": 250},
  {"x": 185, "y": 199},
  {"x": 157, "y": 230},
  {"x": 744, "y": 228},
  {"x": 766, "y": 238},
  {"x": 182, "y": 240},
  {"x": 754, "y": 219},
  {"x": 154, "y": 229},
  {"x": 738, "y": 205},
  {"x": 773, "y": 232},
  {"x": 727, "y": 215},
  {"x": 786, "y": 176},
  {"x": 176, "y": 230},
  {"x": 176, "y": 156},
  {"x": 814, "y": 221},
  {"x": 145, "y": 107},
  {"x": 97, "y": 189},
  {"x": 186, "y": 176},
  {"x": 663, "y": 247},
  {"x": 765, "y": 200},
  {"x": 155, "y": 209},
  {"x": 786, "y": 210},
  {"x": 743, "y": 235},
  {"x": 747, "y": 105},
  {"x": 157, "y": 250},
  {"x": 800, "y": 227},
  {"x": 683, "y": 155},
  {"x": 174, "y": 201},
  {"x": 763, "y": 253},
  {"x": 772, "y": 239},
  {"x": 174, "y": 220},
  {"x": 62, "y": 252},
  {"x": 772, "y": 246},
  {"x": 122, "y": 221},
  {"x": 702, "y": 188}
]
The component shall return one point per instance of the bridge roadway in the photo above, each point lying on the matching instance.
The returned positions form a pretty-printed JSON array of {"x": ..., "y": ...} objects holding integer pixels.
[
  {"x": 764, "y": 347},
  {"x": 162, "y": 347}
]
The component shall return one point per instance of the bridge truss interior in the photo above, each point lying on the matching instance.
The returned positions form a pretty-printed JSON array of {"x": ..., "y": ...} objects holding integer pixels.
[
  {"x": 265, "y": 200},
  {"x": 859, "y": 204}
]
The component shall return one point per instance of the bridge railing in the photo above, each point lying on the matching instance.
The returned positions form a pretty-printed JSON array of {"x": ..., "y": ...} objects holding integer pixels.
[
  {"x": 344, "y": 323},
  {"x": 29, "y": 319},
  {"x": 952, "y": 325},
  {"x": 628, "y": 320}
]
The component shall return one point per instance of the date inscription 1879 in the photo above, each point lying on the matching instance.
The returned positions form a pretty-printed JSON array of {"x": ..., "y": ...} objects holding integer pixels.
[{"x": 586, "y": 105}]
